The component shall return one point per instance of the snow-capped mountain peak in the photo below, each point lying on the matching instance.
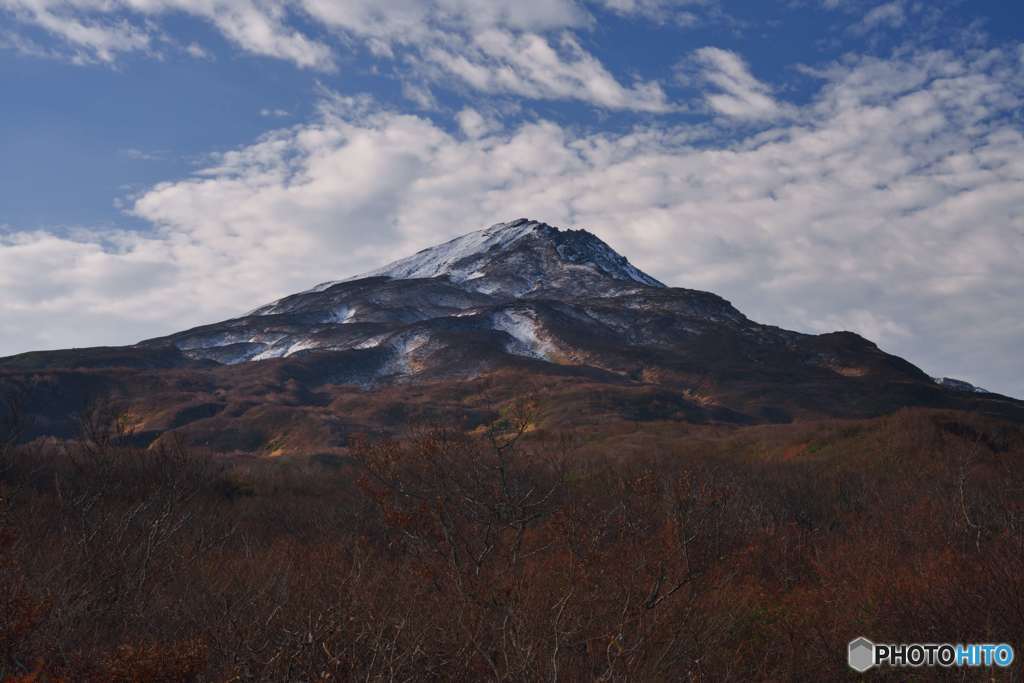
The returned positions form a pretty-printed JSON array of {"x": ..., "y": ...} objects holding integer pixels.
[
  {"x": 516, "y": 258},
  {"x": 467, "y": 279},
  {"x": 454, "y": 258}
]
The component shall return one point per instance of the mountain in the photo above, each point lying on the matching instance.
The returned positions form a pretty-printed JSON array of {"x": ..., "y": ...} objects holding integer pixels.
[
  {"x": 520, "y": 258},
  {"x": 482, "y": 279},
  {"x": 520, "y": 308}
]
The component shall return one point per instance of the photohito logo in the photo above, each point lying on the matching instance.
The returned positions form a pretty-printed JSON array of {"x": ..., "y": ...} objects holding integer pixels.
[{"x": 862, "y": 654}]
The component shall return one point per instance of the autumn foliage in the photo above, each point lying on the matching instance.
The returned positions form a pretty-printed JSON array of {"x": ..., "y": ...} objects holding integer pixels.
[{"x": 653, "y": 551}]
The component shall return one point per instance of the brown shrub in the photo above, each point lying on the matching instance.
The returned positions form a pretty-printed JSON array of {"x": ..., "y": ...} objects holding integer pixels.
[{"x": 708, "y": 553}]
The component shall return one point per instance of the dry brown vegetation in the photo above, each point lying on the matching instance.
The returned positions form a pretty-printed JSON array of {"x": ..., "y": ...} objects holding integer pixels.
[{"x": 653, "y": 551}]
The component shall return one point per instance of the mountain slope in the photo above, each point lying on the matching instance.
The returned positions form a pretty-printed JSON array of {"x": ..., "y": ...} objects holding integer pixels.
[
  {"x": 500, "y": 311},
  {"x": 473, "y": 278}
]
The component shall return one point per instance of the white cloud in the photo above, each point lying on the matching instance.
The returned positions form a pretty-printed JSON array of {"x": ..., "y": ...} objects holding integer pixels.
[
  {"x": 418, "y": 21},
  {"x": 91, "y": 289},
  {"x": 893, "y": 204},
  {"x": 531, "y": 66},
  {"x": 196, "y": 51},
  {"x": 867, "y": 323},
  {"x": 22, "y": 45},
  {"x": 143, "y": 154},
  {"x": 891, "y": 14},
  {"x": 474, "y": 124},
  {"x": 100, "y": 29},
  {"x": 524, "y": 48},
  {"x": 679, "y": 12},
  {"x": 738, "y": 94},
  {"x": 99, "y": 37}
]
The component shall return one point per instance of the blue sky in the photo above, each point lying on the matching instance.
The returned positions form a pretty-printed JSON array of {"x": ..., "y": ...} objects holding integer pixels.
[{"x": 824, "y": 164}]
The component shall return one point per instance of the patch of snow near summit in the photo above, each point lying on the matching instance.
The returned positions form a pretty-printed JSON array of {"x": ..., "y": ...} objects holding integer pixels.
[
  {"x": 466, "y": 258},
  {"x": 522, "y": 327},
  {"x": 439, "y": 260},
  {"x": 442, "y": 259}
]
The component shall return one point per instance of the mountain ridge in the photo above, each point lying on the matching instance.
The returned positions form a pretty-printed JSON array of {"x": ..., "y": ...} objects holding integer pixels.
[
  {"x": 452, "y": 331},
  {"x": 496, "y": 279},
  {"x": 483, "y": 247},
  {"x": 475, "y": 274}
]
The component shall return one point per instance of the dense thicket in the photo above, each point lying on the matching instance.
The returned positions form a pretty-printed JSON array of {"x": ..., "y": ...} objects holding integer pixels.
[{"x": 655, "y": 554}]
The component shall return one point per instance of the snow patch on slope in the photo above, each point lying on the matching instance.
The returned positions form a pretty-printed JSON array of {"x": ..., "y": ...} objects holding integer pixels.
[
  {"x": 523, "y": 328},
  {"x": 958, "y": 385},
  {"x": 293, "y": 345},
  {"x": 341, "y": 315},
  {"x": 404, "y": 347}
]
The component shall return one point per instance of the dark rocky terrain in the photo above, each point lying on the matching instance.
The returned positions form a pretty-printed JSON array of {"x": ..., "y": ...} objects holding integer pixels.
[{"x": 455, "y": 331}]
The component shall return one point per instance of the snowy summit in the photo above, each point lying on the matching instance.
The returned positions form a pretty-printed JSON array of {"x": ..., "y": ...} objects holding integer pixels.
[{"x": 517, "y": 258}]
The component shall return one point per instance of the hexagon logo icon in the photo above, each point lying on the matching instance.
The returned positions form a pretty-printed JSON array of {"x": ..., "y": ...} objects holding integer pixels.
[{"x": 861, "y": 655}]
